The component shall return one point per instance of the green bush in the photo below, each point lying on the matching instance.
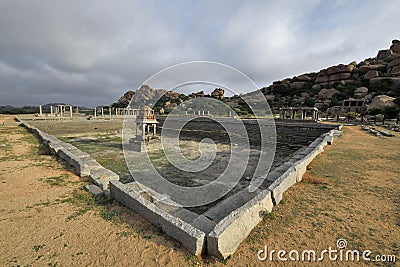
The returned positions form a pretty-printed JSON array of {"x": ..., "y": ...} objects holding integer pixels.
[{"x": 391, "y": 112}]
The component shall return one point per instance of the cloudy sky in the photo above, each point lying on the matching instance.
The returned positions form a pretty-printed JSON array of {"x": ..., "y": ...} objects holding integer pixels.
[{"x": 91, "y": 52}]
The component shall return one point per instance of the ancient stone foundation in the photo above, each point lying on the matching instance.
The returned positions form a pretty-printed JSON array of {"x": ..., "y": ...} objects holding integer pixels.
[{"x": 218, "y": 231}]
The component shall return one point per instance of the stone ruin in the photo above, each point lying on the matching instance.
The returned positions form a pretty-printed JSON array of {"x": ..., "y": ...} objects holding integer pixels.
[
  {"x": 219, "y": 230},
  {"x": 145, "y": 121}
]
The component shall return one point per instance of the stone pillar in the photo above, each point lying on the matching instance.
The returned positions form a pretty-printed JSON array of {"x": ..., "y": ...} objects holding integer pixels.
[
  {"x": 280, "y": 114},
  {"x": 51, "y": 110},
  {"x": 230, "y": 113},
  {"x": 143, "y": 129},
  {"x": 148, "y": 128},
  {"x": 302, "y": 114},
  {"x": 293, "y": 114},
  {"x": 77, "y": 110},
  {"x": 109, "y": 111},
  {"x": 102, "y": 112},
  {"x": 95, "y": 113},
  {"x": 40, "y": 110},
  {"x": 208, "y": 113},
  {"x": 154, "y": 129},
  {"x": 199, "y": 113},
  {"x": 186, "y": 113},
  {"x": 203, "y": 113},
  {"x": 70, "y": 111}
]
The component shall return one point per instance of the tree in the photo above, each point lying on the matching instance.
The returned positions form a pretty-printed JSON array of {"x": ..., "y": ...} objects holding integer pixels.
[
  {"x": 391, "y": 112},
  {"x": 309, "y": 102}
]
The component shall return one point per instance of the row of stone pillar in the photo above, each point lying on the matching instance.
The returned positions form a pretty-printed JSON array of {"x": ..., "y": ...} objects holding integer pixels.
[
  {"x": 118, "y": 111},
  {"x": 293, "y": 112},
  {"x": 146, "y": 128},
  {"x": 60, "y": 110}
]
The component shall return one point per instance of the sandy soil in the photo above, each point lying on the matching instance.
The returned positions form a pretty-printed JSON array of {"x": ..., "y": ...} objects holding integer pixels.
[{"x": 351, "y": 191}]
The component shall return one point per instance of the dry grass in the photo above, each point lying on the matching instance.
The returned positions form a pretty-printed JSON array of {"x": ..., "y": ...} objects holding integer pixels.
[{"x": 350, "y": 191}]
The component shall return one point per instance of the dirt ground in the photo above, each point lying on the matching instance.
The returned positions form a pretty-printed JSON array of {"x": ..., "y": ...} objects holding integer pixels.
[{"x": 351, "y": 191}]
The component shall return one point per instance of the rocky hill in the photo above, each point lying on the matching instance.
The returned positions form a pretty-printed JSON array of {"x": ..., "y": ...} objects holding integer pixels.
[
  {"x": 369, "y": 80},
  {"x": 373, "y": 84}
]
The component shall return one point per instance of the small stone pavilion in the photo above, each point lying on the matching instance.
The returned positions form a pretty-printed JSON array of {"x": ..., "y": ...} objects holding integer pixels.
[
  {"x": 303, "y": 111},
  {"x": 146, "y": 123}
]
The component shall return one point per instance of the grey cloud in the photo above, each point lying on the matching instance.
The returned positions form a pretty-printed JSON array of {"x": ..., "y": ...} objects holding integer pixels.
[{"x": 91, "y": 52}]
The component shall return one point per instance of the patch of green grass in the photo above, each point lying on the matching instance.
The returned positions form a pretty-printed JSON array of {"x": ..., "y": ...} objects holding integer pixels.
[
  {"x": 225, "y": 261},
  {"x": 77, "y": 213},
  {"x": 268, "y": 215},
  {"x": 192, "y": 260},
  {"x": 110, "y": 215},
  {"x": 60, "y": 180}
]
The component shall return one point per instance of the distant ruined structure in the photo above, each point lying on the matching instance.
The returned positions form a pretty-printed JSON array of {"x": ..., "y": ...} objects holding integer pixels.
[{"x": 146, "y": 123}]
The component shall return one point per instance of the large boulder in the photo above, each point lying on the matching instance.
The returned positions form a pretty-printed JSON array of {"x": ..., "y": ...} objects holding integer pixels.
[
  {"x": 218, "y": 93},
  {"x": 395, "y": 71},
  {"x": 382, "y": 54},
  {"x": 365, "y": 68},
  {"x": 360, "y": 92},
  {"x": 394, "y": 80},
  {"x": 371, "y": 74},
  {"x": 297, "y": 85},
  {"x": 394, "y": 67},
  {"x": 327, "y": 93},
  {"x": 198, "y": 94},
  {"x": 303, "y": 78},
  {"x": 382, "y": 101},
  {"x": 395, "y": 47}
]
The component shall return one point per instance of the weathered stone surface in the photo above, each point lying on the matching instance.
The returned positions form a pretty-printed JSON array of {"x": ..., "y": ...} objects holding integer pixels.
[
  {"x": 297, "y": 85},
  {"x": 382, "y": 101},
  {"x": 203, "y": 223},
  {"x": 333, "y": 77},
  {"x": 365, "y": 68},
  {"x": 102, "y": 176},
  {"x": 322, "y": 79},
  {"x": 94, "y": 189},
  {"x": 185, "y": 215},
  {"x": 303, "y": 78},
  {"x": 360, "y": 92},
  {"x": 327, "y": 93},
  {"x": 224, "y": 208},
  {"x": 395, "y": 70},
  {"x": 230, "y": 232},
  {"x": 191, "y": 238},
  {"x": 218, "y": 93},
  {"x": 382, "y": 54},
  {"x": 280, "y": 185},
  {"x": 393, "y": 63},
  {"x": 65, "y": 155},
  {"x": 82, "y": 169},
  {"x": 395, "y": 47},
  {"x": 395, "y": 80},
  {"x": 371, "y": 74},
  {"x": 340, "y": 76}
]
